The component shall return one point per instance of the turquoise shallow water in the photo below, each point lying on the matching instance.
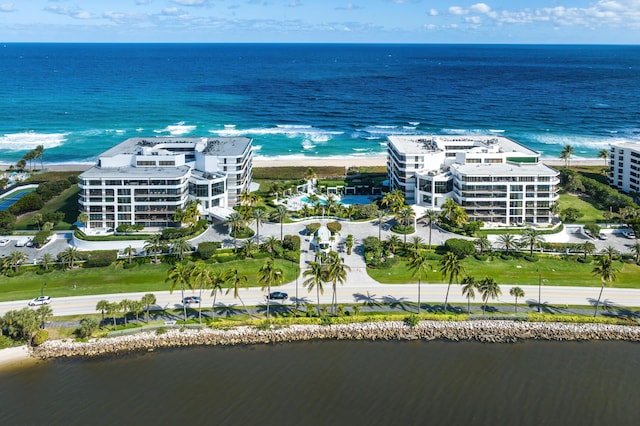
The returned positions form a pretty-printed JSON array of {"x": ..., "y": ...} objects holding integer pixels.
[
  {"x": 336, "y": 382},
  {"x": 314, "y": 100}
]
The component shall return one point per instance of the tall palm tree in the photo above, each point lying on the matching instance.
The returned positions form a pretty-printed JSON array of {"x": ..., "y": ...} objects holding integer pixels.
[
  {"x": 180, "y": 247},
  {"x": 46, "y": 260},
  {"x": 419, "y": 264},
  {"x": 507, "y": 242},
  {"x": 336, "y": 272},
  {"x": 102, "y": 306},
  {"x": 280, "y": 214},
  {"x": 154, "y": 245},
  {"x": 270, "y": 275},
  {"x": 531, "y": 238},
  {"x": 178, "y": 275},
  {"x": 15, "y": 259},
  {"x": 452, "y": 268},
  {"x": 392, "y": 242},
  {"x": 469, "y": 286},
  {"x": 218, "y": 279},
  {"x": 516, "y": 292},
  {"x": 607, "y": 272},
  {"x": 610, "y": 252},
  {"x": 380, "y": 215},
  {"x": 200, "y": 277},
  {"x": 125, "y": 307},
  {"x": 148, "y": 300},
  {"x": 604, "y": 154},
  {"x": 489, "y": 289},
  {"x": 235, "y": 221},
  {"x": 259, "y": 217},
  {"x": 315, "y": 273},
  {"x": 44, "y": 313},
  {"x": 39, "y": 151},
  {"x": 587, "y": 248},
  {"x": 416, "y": 243},
  {"x": 112, "y": 310},
  {"x": 430, "y": 216},
  {"x": 236, "y": 282},
  {"x": 332, "y": 204},
  {"x": 566, "y": 154},
  {"x": 405, "y": 217},
  {"x": 70, "y": 256}
]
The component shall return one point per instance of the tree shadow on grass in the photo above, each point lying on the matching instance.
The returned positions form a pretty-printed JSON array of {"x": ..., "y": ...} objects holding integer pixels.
[
  {"x": 545, "y": 307},
  {"x": 610, "y": 309},
  {"x": 396, "y": 303},
  {"x": 275, "y": 309},
  {"x": 367, "y": 299},
  {"x": 229, "y": 310}
]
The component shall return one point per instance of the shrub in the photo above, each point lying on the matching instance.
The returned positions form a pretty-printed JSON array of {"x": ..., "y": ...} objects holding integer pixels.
[
  {"x": 243, "y": 232},
  {"x": 87, "y": 327},
  {"x": 161, "y": 330},
  {"x": 207, "y": 249},
  {"x": 312, "y": 228},
  {"x": 98, "y": 259},
  {"x": 334, "y": 227},
  {"x": 412, "y": 320},
  {"x": 28, "y": 203},
  {"x": 481, "y": 257},
  {"x": 402, "y": 229},
  {"x": 533, "y": 258},
  {"x": 365, "y": 211},
  {"x": 461, "y": 248},
  {"x": 40, "y": 337},
  {"x": 291, "y": 242}
]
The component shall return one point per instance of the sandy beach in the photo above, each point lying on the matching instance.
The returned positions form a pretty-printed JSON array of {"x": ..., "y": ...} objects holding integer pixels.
[{"x": 13, "y": 357}]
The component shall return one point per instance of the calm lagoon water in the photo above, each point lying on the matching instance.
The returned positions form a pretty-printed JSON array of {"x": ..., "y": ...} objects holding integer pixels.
[{"x": 336, "y": 382}]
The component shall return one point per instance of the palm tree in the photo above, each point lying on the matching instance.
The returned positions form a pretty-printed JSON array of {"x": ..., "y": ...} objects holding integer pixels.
[
  {"x": 259, "y": 217},
  {"x": 405, "y": 217},
  {"x": 200, "y": 277},
  {"x": 83, "y": 218},
  {"x": 604, "y": 154},
  {"x": 351, "y": 210},
  {"x": 430, "y": 216},
  {"x": 125, "y": 307},
  {"x": 332, "y": 204},
  {"x": 37, "y": 219},
  {"x": 235, "y": 221},
  {"x": 237, "y": 281},
  {"x": 217, "y": 281},
  {"x": 154, "y": 245},
  {"x": 507, "y": 242},
  {"x": 531, "y": 238},
  {"x": 135, "y": 306},
  {"x": 416, "y": 243},
  {"x": 380, "y": 215},
  {"x": 316, "y": 274},
  {"x": 44, "y": 313},
  {"x": 178, "y": 275},
  {"x": 610, "y": 252},
  {"x": 469, "y": 286},
  {"x": 587, "y": 248},
  {"x": 39, "y": 151},
  {"x": 46, "y": 260},
  {"x": 418, "y": 263},
  {"x": 269, "y": 275},
  {"x": 566, "y": 154},
  {"x": 607, "y": 273},
  {"x": 636, "y": 252},
  {"x": 280, "y": 214},
  {"x": 180, "y": 248},
  {"x": 102, "y": 306},
  {"x": 16, "y": 258},
  {"x": 392, "y": 242},
  {"x": 489, "y": 289},
  {"x": 148, "y": 300},
  {"x": 336, "y": 272},
  {"x": 270, "y": 245},
  {"x": 69, "y": 256},
  {"x": 112, "y": 310},
  {"x": 452, "y": 268},
  {"x": 247, "y": 248},
  {"x": 516, "y": 292},
  {"x": 483, "y": 244},
  {"x": 130, "y": 251}
]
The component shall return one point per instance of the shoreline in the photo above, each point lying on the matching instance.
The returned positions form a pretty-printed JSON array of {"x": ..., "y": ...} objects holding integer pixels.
[
  {"x": 302, "y": 161},
  {"x": 17, "y": 356},
  {"x": 484, "y": 331}
]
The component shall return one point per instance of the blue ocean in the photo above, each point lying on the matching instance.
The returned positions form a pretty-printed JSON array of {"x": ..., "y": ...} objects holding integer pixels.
[{"x": 314, "y": 100}]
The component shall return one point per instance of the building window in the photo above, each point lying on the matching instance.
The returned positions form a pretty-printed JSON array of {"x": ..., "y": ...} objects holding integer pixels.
[{"x": 167, "y": 163}]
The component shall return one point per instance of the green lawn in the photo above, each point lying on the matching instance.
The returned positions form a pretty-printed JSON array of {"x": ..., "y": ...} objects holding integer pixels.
[
  {"x": 591, "y": 214},
  {"x": 553, "y": 271},
  {"x": 114, "y": 279},
  {"x": 66, "y": 202}
]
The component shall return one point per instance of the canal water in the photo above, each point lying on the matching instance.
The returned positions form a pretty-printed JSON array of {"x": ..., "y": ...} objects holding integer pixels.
[{"x": 336, "y": 382}]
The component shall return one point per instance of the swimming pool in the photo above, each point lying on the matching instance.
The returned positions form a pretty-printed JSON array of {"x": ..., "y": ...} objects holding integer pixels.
[{"x": 345, "y": 200}]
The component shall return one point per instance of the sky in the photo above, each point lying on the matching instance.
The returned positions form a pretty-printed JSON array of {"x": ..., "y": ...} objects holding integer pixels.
[{"x": 322, "y": 21}]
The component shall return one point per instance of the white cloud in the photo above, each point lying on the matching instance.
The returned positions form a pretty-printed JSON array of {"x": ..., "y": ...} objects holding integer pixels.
[
  {"x": 142, "y": 2},
  {"x": 190, "y": 2},
  {"x": 433, "y": 12},
  {"x": 294, "y": 3},
  {"x": 7, "y": 7},
  {"x": 480, "y": 8},
  {"x": 457, "y": 10},
  {"x": 349, "y": 6},
  {"x": 171, "y": 11},
  {"x": 75, "y": 13}
]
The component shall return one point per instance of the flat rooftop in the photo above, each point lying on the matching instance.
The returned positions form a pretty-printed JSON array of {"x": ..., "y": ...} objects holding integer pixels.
[
  {"x": 425, "y": 144},
  {"x": 505, "y": 169},
  {"x": 627, "y": 145},
  {"x": 136, "y": 172},
  {"x": 220, "y": 146}
]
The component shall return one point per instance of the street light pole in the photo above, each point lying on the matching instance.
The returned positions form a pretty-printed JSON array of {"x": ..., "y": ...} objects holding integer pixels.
[
  {"x": 42, "y": 289},
  {"x": 539, "y": 289}
]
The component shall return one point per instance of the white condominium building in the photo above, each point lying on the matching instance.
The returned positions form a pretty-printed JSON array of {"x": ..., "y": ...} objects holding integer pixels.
[
  {"x": 494, "y": 178},
  {"x": 143, "y": 181},
  {"x": 625, "y": 166}
]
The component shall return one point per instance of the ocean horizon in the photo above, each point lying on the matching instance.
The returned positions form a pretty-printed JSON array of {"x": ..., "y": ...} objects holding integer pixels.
[{"x": 314, "y": 100}]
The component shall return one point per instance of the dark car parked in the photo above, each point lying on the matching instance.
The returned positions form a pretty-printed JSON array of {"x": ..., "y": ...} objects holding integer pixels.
[{"x": 278, "y": 295}]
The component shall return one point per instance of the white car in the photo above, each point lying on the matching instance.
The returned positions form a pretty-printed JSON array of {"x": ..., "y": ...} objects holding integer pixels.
[
  {"x": 4, "y": 242},
  {"x": 40, "y": 300}
]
